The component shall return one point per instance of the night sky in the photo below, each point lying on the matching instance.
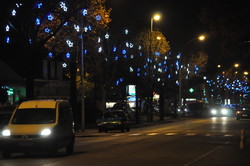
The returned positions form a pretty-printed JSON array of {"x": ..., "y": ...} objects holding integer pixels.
[
  {"x": 180, "y": 19},
  {"x": 180, "y": 22}
]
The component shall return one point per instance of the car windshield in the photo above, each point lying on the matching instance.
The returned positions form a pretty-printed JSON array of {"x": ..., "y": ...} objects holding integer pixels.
[
  {"x": 113, "y": 115},
  {"x": 119, "y": 106},
  {"x": 34, "y": 116}
]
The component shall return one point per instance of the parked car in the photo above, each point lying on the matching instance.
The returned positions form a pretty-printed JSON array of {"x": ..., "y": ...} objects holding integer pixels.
[
  {"x": 243, "y": 112},
  {"x": 125, "y": 107},
  {"x": 39, "y": 125},
  {"x": 114, "y": 120}
]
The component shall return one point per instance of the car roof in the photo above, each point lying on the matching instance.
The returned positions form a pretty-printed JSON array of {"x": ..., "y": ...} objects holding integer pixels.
[
  {"x": 38, "y": 104},
  {"x": 114, "y": 111}
]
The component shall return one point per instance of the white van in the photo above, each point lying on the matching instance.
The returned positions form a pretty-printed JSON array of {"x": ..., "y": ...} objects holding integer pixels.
[{"x": 39, "y": 125}]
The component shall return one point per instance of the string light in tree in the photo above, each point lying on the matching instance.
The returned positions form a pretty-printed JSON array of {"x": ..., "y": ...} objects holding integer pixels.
[
  {"x": 68, "y": 55},
  {"x": 13, "y": 13},
  {"x": 63, "y": 6},
  {"x": 7, "y": 28},
  {"x": 84, "y": 12},
  {"x": 98, "y": 17},
  {"x": 50, "y": 54},
  {"x": 50, "y": 17},
  {"x": 7, "y": 40},
  {"x": 69, "y": 43}
]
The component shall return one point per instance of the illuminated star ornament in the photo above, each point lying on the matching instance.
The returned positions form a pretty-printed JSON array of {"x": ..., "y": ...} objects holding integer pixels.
[{"x": 98, "y": 17}]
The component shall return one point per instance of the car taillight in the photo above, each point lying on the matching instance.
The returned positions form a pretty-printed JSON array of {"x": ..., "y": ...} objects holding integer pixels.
[{"x": 238, "y": 112}]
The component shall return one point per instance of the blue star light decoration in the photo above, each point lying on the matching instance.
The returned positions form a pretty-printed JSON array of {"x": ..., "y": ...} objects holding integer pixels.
[{"x": 98, "y": 17}]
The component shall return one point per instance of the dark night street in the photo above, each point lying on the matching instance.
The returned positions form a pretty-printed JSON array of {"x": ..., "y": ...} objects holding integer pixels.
[
  {"x": 124, "y": 83},
  {"x": 186, "y": 142}
]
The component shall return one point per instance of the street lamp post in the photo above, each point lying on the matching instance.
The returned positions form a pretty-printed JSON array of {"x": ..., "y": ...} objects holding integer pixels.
[
  {"x": 200, "y": 38},
  {"x": 155, "y": 17}
]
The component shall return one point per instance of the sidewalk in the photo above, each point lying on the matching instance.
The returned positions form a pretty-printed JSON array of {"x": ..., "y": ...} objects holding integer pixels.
[{"x": 92, "y": 129}]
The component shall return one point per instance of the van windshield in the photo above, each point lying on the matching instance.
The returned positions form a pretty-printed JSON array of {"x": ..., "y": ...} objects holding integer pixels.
[{"x": 34, "y": 116}]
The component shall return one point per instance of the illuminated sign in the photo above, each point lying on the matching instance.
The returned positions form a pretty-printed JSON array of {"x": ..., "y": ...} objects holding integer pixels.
[{"x": 131, "y": 89}]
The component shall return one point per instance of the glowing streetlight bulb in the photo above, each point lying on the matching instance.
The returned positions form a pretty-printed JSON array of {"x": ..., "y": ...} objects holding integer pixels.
[
  {"x": 157, "y": 17},
  {"x": 236, "y": 65},
  {"x": 201, "y": 37},
  {"x": 158, "y": 37}
]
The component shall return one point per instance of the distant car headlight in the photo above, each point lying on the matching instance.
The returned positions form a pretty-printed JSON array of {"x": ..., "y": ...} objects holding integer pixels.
[
  {"x": 213, "y": 112},
  {"x": 224, "y": 111},
  {"x": 6, "y": 132},
  {"x": 45, "y": 132},
  {"x": 103, "y": 123}
]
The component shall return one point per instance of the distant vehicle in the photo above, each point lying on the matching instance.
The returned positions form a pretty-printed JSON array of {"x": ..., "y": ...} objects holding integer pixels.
[
  {"x": 243, "y": 112},
  {"x": 125, "y": 107},
  {"x": 114, "y": 120},
  {"x": 39, "y": 125},
  {"x": 196, "y": 108},
  {"x": 220, "y": 111}
]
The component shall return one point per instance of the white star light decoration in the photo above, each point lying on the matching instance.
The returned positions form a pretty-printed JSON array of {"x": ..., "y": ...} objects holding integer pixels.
[
  {"x": 70, "y": 44},
  {"x": 64, "y": 65},
  {"x": 63, "y": 6},
  {"x": 7, "y": 28}
]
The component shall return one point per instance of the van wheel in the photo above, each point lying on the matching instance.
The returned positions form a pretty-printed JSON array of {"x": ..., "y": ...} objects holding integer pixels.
[
  {"x": 6, "y": 155},
  {"x": 70, "y": 147}
]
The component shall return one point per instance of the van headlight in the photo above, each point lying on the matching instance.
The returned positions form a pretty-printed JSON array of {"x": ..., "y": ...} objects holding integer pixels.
[
  {"x": 6, "y": 132},
  {"x": 46, "y": 132}
]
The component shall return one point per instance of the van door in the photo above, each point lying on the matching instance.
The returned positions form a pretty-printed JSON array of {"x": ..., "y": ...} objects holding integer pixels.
[{"x": 65, "y": 124}]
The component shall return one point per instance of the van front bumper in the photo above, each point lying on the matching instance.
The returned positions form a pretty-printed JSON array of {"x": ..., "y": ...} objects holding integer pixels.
[{"x": 27, "y": 143}]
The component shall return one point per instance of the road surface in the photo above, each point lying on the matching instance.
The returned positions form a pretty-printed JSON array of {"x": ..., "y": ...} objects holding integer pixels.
[{"x": 190, "y": 142}]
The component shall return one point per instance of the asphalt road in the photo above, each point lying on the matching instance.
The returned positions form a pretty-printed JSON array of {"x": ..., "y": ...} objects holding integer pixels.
[{"x": 191, "y": 142}]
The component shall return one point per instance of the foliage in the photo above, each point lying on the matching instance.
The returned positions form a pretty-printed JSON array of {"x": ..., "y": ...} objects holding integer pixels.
[
  {"x": 198, "y": 60},
  {"x": 152, "y": 42}
]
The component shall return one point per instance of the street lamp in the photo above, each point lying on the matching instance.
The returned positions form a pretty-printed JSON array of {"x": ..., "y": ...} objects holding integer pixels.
[
  {"x": 155, "y": 17},
  {"x": 200, "y": 38},
  {"x": 236, "y": 65}
]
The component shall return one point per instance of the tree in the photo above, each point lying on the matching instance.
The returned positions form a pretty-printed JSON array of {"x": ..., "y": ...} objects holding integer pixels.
[
  {"x": 155, "y": 48},
  {"x": 58, "y": 30},
  {"x": 197, "y": 63}
]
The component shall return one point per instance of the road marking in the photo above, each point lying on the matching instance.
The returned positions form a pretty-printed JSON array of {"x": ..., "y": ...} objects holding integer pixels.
[
  {"x": 228, "y": 135},
  {"x": 171, "y": 133},
  {"x": 152, "y": 133},
  {"x": 136, "y": 134},
  {"x": 191, "y": 134},
  {"x": 117, "y": 135}
]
